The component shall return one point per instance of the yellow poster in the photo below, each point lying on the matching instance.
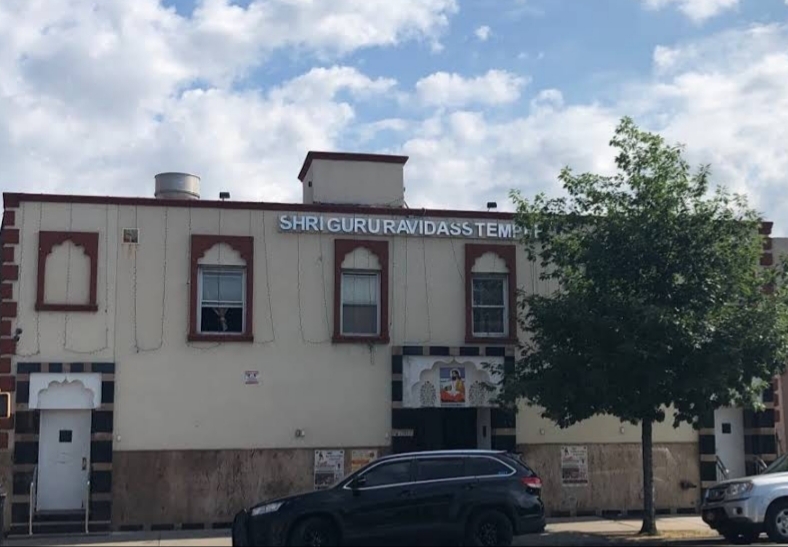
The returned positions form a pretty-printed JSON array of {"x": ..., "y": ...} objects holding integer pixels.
[{"x": 360, "y": 458}]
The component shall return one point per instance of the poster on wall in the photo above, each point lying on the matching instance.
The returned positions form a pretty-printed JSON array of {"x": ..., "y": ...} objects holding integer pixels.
[
  {"x": 574, "y": 465},
  {"x": 360, "y": 458},
  {"x": 452, "y": 381},
  {"x": 329, "y": 468}
]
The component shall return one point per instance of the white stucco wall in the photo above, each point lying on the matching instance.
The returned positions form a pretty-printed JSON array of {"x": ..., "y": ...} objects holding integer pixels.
[{"x": 172, "y": 394}]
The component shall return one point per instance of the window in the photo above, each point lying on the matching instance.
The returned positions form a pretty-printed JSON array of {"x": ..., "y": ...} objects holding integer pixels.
[
  {"x": 222, "y": 302},
  {"x": 388, "y": 474},
  {"x": 485, "y": 467},
  {"x": 360, "y": 303},
  {"x": 432, "y": 469},
  {"x": 490, "y": 305}
]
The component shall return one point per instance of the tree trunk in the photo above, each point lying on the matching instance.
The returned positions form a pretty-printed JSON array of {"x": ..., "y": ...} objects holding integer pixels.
[{"x": 649, "y": 513}]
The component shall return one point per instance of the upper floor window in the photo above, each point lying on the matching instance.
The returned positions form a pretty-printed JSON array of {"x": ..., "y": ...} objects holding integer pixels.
[
  {"x": 222, "y": 300},
  {"x": 490, "y": 310},
  {"x": 360, "y": 311},
  {"x": 361, "y": 294}
]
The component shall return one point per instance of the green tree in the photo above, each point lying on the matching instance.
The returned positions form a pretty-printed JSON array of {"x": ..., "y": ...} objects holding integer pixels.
[{"x": 661, "y": 299}]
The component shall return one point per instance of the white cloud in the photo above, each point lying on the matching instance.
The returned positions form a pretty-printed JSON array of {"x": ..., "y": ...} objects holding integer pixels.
[
  {"x": 453, "y": 90},
  {"x": 95, "y": 97},
  {"x": 483, "y": 32},
  {"x": 697, "y": 10}
]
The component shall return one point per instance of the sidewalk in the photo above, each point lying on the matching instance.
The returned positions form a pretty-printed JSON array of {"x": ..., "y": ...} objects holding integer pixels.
[{"x": 578, "y": 531}]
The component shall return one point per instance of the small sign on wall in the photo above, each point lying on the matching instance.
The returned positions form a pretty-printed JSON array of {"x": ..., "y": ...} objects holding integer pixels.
[
  {"x": 251, "y": 377},
  {"x": 329, "y": 468},
  {"x": 574, "y": 465},
  {"x": 360, "y": 458}
]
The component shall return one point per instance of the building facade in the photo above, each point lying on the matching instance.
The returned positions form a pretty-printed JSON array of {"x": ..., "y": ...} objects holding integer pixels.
[{"x": 170, "y": 360}]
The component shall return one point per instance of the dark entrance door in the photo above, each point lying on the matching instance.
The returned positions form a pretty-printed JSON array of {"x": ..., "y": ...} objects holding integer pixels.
[{"x": 446, "y": 429}]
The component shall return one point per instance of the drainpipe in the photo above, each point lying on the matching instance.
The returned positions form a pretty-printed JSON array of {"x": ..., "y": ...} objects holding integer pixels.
[{"x": 2, "y": 514}]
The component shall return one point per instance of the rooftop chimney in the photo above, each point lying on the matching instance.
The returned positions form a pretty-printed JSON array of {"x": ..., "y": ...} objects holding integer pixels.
[
  {"x": 353, "y": 179},
  {"x": 177, "y": 186}
]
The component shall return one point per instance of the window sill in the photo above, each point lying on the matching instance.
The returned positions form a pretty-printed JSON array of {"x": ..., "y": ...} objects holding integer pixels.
[
  {"x": 67, "y": 307},
  {"x": 493, "y": 340},
  {"x": 349, "y": 339},
  {"x": 199, "y": 337}
]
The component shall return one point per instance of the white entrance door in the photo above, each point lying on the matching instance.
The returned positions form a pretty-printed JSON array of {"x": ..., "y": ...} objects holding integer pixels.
[
  {"x": 729, "y": 440},
  {"x": 63, "y": 460}
]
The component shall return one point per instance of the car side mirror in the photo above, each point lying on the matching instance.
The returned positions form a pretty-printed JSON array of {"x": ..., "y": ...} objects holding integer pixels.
[{"x": 359, "y": 482}]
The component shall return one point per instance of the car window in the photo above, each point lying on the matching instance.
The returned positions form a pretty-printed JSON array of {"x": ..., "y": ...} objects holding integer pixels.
[
  {"x": 517, "y": 461},
  {"x": 484, "y": 467},
  {"x": 431, "y": 469},
  {"x": 388, "y": 474}
]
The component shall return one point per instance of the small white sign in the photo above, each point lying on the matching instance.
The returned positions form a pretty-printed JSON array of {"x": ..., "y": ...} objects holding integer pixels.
[{"x": 250, "y": 377}]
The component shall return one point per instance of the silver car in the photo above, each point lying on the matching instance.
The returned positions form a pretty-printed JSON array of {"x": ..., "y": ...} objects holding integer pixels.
[{"x": 740, "y": 509}]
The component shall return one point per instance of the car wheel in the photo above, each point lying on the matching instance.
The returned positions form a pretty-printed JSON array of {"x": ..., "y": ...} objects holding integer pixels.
[
  {"x": 316, "y": 532},
  {"x": 490, "y": 528},
  {"x": 740, "y": 536},
  {"x": 777, "y": 522}
]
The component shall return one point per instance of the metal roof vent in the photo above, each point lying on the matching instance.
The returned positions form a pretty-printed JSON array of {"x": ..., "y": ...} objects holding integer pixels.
[{"x": 177, "y": 186}]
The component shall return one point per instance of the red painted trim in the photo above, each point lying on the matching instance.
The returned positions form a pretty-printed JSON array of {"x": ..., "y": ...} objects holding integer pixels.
[
  {"x": 8, "y": 310},
  {"x": 6, "y": 291},
  {"x": 347, "y": 156},
  {"x": 7, "y": 384},
  {"x": 5, "y": 365},
  {"x": 265, "y": 206},
  {"x": 5, "y": 328},
  {"x": 767, "y": 244},
  {"x": 767, "y": 259},
  {"x": 7, "y": 424},
  {"x": 766, "y": 228},
  {"x": 10, "y": 236},
  {"x": 201, "y": 244},
  {"x": 380, "y": 248},
  {"x": 7, "y": 347},
  {"x": 9, "y": 218},
  {"x": 47, "y": 241},
  {"x": 10, "y": 272},
  {"x": 3, "y": 440},
  {"x": 11, "y": 200},
  {"x": 8, "y": 254},
  {"x": 508, "y": 254}
]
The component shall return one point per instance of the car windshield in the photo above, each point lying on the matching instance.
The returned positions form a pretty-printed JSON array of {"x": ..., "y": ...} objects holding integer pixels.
[{"x": 780, "y": 465}]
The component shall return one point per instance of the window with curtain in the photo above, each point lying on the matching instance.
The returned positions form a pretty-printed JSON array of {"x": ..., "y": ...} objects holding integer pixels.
[
  {"x": 360, "y": 303},
  {"x": 222, "y": 300},
  {"x": 490, "y": 305}
]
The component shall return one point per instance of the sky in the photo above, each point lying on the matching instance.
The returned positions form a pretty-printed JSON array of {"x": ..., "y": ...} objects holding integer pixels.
[{"x": 484, "y": 96}]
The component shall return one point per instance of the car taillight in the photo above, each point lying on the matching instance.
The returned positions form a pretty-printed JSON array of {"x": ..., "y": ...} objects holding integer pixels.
[{"x": 532, "y": 482}]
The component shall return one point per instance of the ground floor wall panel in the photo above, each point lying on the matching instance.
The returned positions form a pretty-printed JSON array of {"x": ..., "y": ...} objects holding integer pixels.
[
  {"x": 615, "y": 479},
  {"x": 194, "y": 489}
]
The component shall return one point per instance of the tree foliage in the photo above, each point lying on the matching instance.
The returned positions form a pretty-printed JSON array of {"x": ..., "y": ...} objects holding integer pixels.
[{"x": 661, "y": 297}]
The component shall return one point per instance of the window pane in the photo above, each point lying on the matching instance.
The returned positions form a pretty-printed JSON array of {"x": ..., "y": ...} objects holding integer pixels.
[
  {"x": 439, "y": 468},
  {"x": 360, "y": 289},
  {"x": 388, "y": 473},
  {"x": 221, "y": 320},
  {"x": 222, "y": 286},
  {"x": 210, "y": 287},
  {"x": 488, "y": 320},
  {"x": 483, "y": 467},
  {"x": 231, "y": 287},
  {"x": 488, "y": 292},
  {"x": 359, "y": 319}
]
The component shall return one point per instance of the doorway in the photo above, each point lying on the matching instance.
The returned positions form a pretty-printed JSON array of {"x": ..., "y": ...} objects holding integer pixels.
[
  {"x": 729, "y": 441},
  {"x": 446, "y": 429},
  {"x": 63, "y": 460}
]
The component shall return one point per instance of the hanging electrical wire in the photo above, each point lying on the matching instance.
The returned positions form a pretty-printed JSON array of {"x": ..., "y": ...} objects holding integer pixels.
[
  {"x": 252, "y": 233},
  {"x": 106, "y": 296},
  {"x": 163, "y": 288},
  {"x": 300, "y": 308},
  {"x": 23, "y": 277}
]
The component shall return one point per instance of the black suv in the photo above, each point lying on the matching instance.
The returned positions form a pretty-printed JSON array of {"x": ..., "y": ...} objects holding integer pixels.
[{"x": 483, "y": 497}]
